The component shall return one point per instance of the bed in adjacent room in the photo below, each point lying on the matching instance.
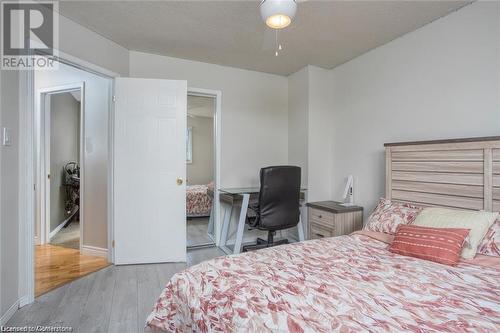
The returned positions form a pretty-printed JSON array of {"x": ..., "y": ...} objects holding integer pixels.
[
  {"x": 198, "y": 200},
  {"x": 406, "y": 271}
]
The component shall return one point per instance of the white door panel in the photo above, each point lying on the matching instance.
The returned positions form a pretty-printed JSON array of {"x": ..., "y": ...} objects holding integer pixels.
[{"x": 150, "y": 155}]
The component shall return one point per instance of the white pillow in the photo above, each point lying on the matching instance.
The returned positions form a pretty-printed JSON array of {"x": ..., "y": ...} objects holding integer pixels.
[{"x": 477, "y": 222}]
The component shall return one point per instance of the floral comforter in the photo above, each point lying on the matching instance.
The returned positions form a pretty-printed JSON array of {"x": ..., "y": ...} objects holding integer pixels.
[
  {"x": 198, "y": 201},
  {"x": 342, "y": 284}
]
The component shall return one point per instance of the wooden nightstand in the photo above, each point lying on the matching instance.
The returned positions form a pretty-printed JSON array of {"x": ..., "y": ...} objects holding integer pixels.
[{"x": 329, "y": 219}]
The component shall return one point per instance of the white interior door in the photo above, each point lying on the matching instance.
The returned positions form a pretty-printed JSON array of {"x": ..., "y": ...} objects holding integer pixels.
[{"x": 149, "y": 171}]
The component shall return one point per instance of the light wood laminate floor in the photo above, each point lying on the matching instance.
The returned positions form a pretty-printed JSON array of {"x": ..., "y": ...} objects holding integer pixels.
[
  {"x": 57, "y": 265},
  {"x": 197, "y": 228},
  {"x": 114, "y": 299}
]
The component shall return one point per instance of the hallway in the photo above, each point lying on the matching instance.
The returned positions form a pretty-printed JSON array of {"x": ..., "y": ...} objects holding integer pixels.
[{"x": 57, "y": 265}]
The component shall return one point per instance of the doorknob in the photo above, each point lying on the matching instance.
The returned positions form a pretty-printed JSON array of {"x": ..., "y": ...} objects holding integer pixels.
[{"x": 179, "y": 181}]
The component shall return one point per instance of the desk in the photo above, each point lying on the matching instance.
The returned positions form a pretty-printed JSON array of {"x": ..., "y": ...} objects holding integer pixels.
[{"x": 242, "y": 196}]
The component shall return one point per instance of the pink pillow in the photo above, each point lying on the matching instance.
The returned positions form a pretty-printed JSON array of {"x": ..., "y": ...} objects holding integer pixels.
[
  {"x": 490, "y": 245},
  {"x": 388, "y": 215},
  {"x": 441, "y": 245}
]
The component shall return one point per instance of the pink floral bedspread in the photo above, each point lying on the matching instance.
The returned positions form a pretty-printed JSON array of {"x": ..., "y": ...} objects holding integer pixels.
[
  {"x": 342, "y": 284},
  {"x": 198, "y": 202}
]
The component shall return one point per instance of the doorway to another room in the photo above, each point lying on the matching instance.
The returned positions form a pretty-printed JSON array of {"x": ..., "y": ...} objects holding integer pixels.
[
  {"x": 63, "y": 128},
  {"x": 200, "y": 170},
  {"x": 118, "y": 118},
  {"x": 67, "y": 112}
]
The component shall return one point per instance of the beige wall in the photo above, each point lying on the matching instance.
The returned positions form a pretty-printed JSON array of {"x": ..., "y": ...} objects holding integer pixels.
[
  {"x": 9, "y": 191},
  {"x": 201, "y": 170},
  {"x": 309, "y": 129},
  {"x": 319, "y": 144},
  {"x": 96, "y": 152},
  {"x": 309, "y": 132},
  {"x": 441, "y": 81},
  {"x": 298, "y": 125},
  {"x": 74, "y": 40},
  {"x": 64, "y": 148},
  {"x": 85, "y": 44}
]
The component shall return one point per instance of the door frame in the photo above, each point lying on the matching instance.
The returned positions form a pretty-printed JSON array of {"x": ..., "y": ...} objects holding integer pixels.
[
  {"x": 217, "y": 95},
  {"x": 27, "y": 176},
  {"x": 28, "y": 157},
  {"x": 43, "y": 162}
]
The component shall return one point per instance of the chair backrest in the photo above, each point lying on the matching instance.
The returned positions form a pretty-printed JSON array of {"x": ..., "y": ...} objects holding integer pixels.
[{"x": 279, "y": 197}]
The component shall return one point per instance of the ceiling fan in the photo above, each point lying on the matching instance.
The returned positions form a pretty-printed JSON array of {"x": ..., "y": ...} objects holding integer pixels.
[{"x": 277, "y": 14}]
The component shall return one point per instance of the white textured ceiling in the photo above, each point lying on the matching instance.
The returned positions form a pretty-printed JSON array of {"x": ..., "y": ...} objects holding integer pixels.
[{"x": 231, "y": 33}]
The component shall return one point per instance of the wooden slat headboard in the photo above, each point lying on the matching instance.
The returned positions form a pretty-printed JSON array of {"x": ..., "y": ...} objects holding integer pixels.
[{"x": 458, "y": 173}]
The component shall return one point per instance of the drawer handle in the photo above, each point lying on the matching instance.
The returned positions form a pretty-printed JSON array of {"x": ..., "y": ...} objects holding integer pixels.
[
  {"x": 320, "y": 216},
  {"x": 320, "y": 235}
]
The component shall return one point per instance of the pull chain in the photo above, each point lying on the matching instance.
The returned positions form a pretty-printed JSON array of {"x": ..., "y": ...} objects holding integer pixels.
[{"x": 276, "y": 43}]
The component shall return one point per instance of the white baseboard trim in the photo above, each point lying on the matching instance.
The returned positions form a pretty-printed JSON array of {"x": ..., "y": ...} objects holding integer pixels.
[
  {"x": 88, "y": 250},
  {"x": 9, "y": 313},
  {"x": 24, "y": 300},
  {"x": 57, "y": 229}
]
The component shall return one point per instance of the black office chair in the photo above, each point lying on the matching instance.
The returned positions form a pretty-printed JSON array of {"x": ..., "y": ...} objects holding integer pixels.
[{"x": 278, "y": 205}]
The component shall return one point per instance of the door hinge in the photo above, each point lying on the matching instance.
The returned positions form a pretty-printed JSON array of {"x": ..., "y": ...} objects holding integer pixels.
[
  {"x": 113, "y": 243},
  {"x": 34, "y": 187},
  {"x": 114, "y": 98}
]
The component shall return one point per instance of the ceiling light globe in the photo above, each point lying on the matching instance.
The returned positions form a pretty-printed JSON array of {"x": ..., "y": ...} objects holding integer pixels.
[
  {"x": 278, "y": 21},
  {"x": 278, "y": 14}
]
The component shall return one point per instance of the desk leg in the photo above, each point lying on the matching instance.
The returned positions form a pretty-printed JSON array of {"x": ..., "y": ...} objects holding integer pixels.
[
  {"x": 211, "y": 229},
  {"x": 300, "y": 229},
  {"x": 241, "y": 223},
  {"x": 225, "y": 228}
]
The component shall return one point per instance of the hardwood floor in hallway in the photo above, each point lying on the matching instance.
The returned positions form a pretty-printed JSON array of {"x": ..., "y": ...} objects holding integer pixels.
[{"x": 57, "y": 265}]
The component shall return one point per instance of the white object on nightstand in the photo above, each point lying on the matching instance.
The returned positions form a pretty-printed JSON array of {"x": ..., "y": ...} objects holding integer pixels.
[
  {"x": 6, "y": 137},
  {"x": 348, "y": 196}
]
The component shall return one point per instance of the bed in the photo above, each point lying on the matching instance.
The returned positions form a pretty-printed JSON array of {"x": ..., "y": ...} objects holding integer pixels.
[
  {"x": 198, "y": 200},
  {"x": 347, "y": 284},
  {"x": 353, "y": 283}
]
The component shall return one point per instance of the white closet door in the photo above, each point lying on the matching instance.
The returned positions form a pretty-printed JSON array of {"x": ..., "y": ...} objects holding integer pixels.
[{"x": 150, "y": 171}]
